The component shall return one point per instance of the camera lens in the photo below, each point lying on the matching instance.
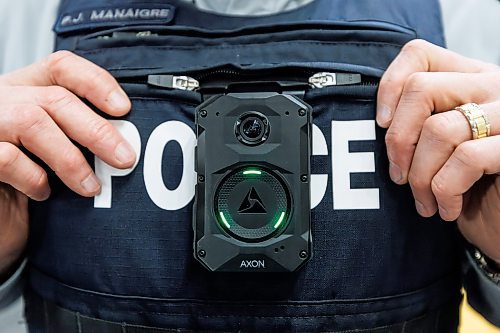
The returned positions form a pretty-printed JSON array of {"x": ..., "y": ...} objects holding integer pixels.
[{"x": 252, "y": 128}]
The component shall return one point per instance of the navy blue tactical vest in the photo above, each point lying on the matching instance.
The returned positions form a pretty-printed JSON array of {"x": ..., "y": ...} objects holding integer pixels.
[{"x": 126, "y": 255}]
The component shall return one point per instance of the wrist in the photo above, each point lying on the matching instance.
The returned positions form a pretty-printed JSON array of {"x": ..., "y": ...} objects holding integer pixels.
[
  {"x": 7, "y": 269},
  {"x": 10, "y": 259}
]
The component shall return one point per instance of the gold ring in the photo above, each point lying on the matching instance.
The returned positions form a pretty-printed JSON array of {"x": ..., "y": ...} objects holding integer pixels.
[{"x": 478, "y": 121}]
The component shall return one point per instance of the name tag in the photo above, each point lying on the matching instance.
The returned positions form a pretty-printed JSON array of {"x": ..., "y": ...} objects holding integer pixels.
[{"x": 116, "y": 16}]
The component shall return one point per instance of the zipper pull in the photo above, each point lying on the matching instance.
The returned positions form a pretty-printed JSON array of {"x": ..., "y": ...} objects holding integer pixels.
[
  {"x": 326, "y": 79},
  {"x": 128, "y": 34},
  {"x": 173, "y": 82},
  {"x": 146, "y": 33}
]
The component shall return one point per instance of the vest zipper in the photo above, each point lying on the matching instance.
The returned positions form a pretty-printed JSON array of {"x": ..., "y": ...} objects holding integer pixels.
[
  {"x": 127, "y": 34},
  {"x": 316, "y": 80},
  {"x": 174, "y": 82},
  {"x": 326, "y": 79}
]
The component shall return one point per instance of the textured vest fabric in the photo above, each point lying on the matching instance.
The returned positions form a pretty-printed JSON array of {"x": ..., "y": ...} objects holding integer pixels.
[{"x": 126, "y": 255}]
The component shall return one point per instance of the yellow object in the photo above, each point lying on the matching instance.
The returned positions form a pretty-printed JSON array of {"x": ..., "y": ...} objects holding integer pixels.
[
  {"x": 473, "y": 322},
  {"x": 478, "y": 121}
]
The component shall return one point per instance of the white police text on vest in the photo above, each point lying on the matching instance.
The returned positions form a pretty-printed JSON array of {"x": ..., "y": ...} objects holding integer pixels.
[{"x": 343, "y": 164}]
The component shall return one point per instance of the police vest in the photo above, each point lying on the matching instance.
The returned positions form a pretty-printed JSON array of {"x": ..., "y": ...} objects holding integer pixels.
[{"x": 127, "y": 254}]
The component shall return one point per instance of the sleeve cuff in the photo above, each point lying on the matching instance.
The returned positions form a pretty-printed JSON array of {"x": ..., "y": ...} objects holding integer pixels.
[
  {"x": 483, "y": 294},
  {"x": 11, "y": 288}
]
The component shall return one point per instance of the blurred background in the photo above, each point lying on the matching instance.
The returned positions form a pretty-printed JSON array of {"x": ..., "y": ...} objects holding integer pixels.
[{"x": 472, "y": 322}]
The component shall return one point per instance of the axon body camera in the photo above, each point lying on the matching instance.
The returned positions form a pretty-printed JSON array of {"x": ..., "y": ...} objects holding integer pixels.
[{"x": 252, "y": 203}]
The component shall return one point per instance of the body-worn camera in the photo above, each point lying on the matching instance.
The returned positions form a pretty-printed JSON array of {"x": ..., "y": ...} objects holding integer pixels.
[{"x": 252, "y": 203}]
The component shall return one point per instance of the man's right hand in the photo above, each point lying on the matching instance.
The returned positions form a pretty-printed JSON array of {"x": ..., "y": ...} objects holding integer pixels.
[{"x": 40, "y": 110}]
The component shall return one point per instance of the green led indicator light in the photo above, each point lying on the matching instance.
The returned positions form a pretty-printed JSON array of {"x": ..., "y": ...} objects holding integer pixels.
[
  {"x": 280, "y": 220},
  {"x": 252, "y": 172},
  {"x": 223, "y": 218}
]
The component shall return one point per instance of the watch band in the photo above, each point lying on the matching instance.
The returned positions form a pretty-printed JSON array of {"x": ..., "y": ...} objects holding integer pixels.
[{"x": 488, "y": 266}]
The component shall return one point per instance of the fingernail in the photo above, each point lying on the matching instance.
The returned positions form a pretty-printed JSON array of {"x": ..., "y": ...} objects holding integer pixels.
[
  {"x": 124, "y": 153},
  {"x": 395, "y": 173},
  {"x": 385, "y": 114},
  {"x": 117, "y": 100},
  {"x": 42, "y": 196},
  {"x": 45, "y": 194},
  {"x": 91, "y": 184},
  {"x": 420, "y": 208}
]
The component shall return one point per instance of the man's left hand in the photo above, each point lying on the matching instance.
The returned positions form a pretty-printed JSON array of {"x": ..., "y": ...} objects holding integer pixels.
[{"x": 430, "y": 144}]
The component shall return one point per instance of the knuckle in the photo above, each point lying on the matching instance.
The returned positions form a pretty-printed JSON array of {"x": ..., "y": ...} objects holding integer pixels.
[
  {"x": 396, "y": 142},
  {"x": 28, "y": 118},
  {"x": 392, "y": 137},
  {"x": 417, "y": 182},
  {"x": 73, "y": 162},
  {"x": 467, "y": 153},
  {"x": 439, "y": 186},
  {"x": 101, "y": 130},
  {"x": 55, "y": 60},
  {"x": 388, "y": 82},
  {"x": 56, "y": 96},
  {"x": 490, "y": 81},
  {"x": 437, "y": 128},
  {"x": 99, "y": 73},
  {"x": 416, "y": 82},
  {"x": 37, "y": 180},
  {"x": 8, "y": 155},
  {"x": 99, "y": 83},
  {"x": 415, "y": 45}
]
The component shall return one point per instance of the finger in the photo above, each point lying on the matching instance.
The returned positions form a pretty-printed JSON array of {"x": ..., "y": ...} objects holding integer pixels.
[
  {"x": 478, "y": 221},
  {"x": 22, "y": 173},
  {"x": 31, "y": 127},
  {"x": 419, "y": 56},
  {"x": 77, "y": 120},
  {"x": 468, "y": 163},
  {"x": 424, "y": 94},
  {"x": 441, "y": 134},
  {"x": 77, "y": 74}
]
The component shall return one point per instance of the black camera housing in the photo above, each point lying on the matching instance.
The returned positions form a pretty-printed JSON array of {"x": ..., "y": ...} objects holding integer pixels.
[{"x": 252, "y": 202}]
